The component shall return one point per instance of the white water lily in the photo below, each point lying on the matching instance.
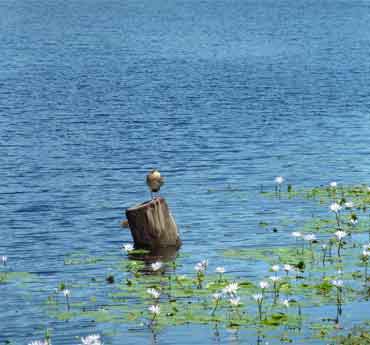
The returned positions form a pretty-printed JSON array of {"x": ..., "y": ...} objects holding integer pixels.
[
  {"x": 275, "y": 268},
  {"x": 337, "y": 283},
  {"x": 201, "y": 266},
  {"x": 235, "y": 301},
  {"x": 296, "y": 234},
  {"x": 258, "y": 297},
  {"x": 288, "y": 267},
  {"x": 66, "y": 292},
  {"x": 217, "y": 296},
  {"x": 4, "y": 259},
  {"x": 93, "y": 339},
  {"x": 264, "y": 285},
  {"x": 365, "y": 253},
  {"x": 279, "y": 179},
  {"x": 156, "y": 266},
  {"x": 204, "y": 263},
  {"x": 231, "y": 288},
  {"x": 220, "y": 270},
  {"x": 285, "y": 303},
  {"x": 340, "y": 234},
  {"x": 155, "y": 309},
  {"x": 333, "y": 184},
  {"x": 366, "y": 246},
  {"x": 349, "y": 204},
  {"x": 128, "y": 247},
  {"x": 154, "y": 293},
  {"x": 309, "y": 237},
  {"x": 39, "y": 342},
  {"x": 353, "y": 221},
  {"x": 335, "y": 207}
]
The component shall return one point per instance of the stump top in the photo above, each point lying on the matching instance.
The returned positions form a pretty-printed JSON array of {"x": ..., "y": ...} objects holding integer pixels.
[{"x": 147, "y": 204}]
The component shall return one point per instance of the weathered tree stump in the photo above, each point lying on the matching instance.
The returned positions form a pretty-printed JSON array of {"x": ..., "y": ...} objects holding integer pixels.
[{"x": 152, "y": 225}]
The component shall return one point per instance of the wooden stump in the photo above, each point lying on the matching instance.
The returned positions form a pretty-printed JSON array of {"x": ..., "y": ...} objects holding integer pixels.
[{"x": 152, "y": 225}]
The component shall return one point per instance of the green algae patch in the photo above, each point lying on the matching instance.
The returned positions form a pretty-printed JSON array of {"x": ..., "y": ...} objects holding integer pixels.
[{"x": 23, "y": 277}]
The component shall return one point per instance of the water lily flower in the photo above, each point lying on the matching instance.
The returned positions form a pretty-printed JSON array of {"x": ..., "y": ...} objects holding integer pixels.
[
  {"x": 365, "y": 253},
  {"x": 310, "y": 237},
  {"x": 4, "y": 259},
  {"x": 275, "y": 268},
  {"x": 335, "y": 207},
  {"x": 67, "y": 294},
  {"x": 285, "y": 302},
  {"x": 258, "y": 297},
  {"x": 231, "y": 288},
  {"x": 93, "y": 339},
  {"x": 204, "y": 263},
  {"x": 220, "y": 270},
  {"x": 156, "y": 266},
  {"x": 155, "y": 310},
  {"x": 201, "y": 266},
  {"x": 337, "y": 283},
  {"x": 279, "y": 179},
  {"x": 288, "y": 268},
  {"x": 296, "y": 234},
  {"x": 154, "y": 293},
  {"x": 264, "y": 285},
  {"x": 217, "y": 296},
  {"x": 235, "y": 301},
  {"x": 366, "y": 246},
  {"x": 333, "y": 184},
  {"x": 349, "y": 204},
  {"x": 39, "y": 342},
  {"x": 128, "y": 247},
  {"x": 340, "y": 234},
  {"x": 353, "y": 221}
]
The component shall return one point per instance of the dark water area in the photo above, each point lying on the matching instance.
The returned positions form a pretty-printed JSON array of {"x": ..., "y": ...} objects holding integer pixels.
[{"x": 218, "y": 95}]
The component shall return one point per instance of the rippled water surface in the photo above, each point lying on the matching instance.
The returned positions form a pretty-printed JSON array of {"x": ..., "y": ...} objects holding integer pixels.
[{"x": 219, "y": 95}]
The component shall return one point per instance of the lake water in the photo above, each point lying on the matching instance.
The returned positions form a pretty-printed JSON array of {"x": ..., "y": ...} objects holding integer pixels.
[{"x": 218, "y": 95}]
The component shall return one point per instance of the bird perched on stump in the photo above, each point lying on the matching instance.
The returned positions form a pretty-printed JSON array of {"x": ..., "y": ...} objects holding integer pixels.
[{"x": 154, "y": 180}]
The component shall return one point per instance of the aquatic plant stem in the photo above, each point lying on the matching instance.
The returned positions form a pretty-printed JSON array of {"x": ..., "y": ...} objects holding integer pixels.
[
  {"x": 215, "y": 308},
  {"x": 337, "y": 217},
  {"x": 339, "y": 247},
  {"x": 366, "y": 269},
  {"x": 68, "y": 305}
]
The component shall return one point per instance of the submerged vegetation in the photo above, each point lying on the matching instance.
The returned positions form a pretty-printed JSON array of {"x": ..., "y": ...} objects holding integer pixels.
[{"x": 324, "y": 267}]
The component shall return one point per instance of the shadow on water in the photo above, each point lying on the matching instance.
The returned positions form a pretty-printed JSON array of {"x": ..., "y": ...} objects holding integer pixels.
[{"x": 150, "y": 255}]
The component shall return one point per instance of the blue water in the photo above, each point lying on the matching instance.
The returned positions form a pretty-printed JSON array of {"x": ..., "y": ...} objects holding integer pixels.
[{"x": 215, "y": 94}]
